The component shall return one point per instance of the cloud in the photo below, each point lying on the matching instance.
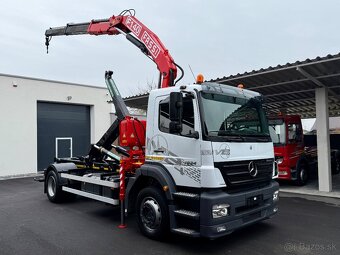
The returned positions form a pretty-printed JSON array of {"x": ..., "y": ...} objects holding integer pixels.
[{"x": 216, "y": 38}]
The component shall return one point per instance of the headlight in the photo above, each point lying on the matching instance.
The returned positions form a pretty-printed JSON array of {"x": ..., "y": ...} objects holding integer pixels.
[
  {"x": 279, "y": 160},
  {"x": 276, "y": 196},
  {"x": 275, "y": 170},
  {"x": 220, "y": 210}
]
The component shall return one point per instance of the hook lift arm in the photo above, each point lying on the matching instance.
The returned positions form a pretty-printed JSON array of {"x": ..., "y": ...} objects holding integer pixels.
[{"x": 135, "y": 32}]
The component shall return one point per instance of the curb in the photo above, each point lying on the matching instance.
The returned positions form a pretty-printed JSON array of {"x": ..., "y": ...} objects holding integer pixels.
[{"x": 20, "y": 176}]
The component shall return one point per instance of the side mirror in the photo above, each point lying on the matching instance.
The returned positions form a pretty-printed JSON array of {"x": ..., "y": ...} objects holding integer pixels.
[{"x": 176, "y": 109}]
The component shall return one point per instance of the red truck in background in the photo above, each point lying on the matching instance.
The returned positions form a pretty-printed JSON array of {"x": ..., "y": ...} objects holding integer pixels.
[{"x": 296, "y": 160}]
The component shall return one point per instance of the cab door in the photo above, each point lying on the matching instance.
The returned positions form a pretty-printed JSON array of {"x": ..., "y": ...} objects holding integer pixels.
[{"x": 181, "y": 155}]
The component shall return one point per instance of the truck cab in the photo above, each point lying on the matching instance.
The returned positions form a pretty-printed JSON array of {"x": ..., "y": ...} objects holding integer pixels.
[
  {"x": 287, "y": 136},
  {"x": 221, "y": 152},
  {"x": 220, "y": 124},
  {"x": 296, "y": 153}
]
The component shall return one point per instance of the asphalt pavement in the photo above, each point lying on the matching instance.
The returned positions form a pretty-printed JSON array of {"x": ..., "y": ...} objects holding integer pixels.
[{"x": 30, "y": 224}]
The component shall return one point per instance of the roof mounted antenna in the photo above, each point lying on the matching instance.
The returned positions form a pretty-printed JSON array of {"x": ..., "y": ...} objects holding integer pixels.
[{"x": 193, "y": 75}]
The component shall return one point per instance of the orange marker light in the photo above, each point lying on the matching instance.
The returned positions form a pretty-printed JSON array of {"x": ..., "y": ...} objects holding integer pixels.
[{"x": 199, "y": 78}]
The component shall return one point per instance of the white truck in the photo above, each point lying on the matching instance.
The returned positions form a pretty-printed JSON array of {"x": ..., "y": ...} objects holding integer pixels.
[{"x": 203, "y": 167}]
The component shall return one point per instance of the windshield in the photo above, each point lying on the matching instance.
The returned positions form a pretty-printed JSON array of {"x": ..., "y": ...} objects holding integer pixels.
[
  {"x": 277, "y": 131},
  {"x": 231, "y": 116}
]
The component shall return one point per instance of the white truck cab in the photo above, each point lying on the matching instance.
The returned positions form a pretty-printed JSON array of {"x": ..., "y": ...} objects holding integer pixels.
[
  {"x": 220, "y": 151},
  {"x": 220, "y": 124}
]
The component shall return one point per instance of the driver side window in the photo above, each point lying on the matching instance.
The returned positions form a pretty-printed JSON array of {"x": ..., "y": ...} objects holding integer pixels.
[
  {"x": 188, "y": 118},
  {"x": 294, "y": 133}
]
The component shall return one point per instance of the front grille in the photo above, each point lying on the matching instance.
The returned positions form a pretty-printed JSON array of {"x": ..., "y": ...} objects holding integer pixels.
[{"x": 236, "y": 174}]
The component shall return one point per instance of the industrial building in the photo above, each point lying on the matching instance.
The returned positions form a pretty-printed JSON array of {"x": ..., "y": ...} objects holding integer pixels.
[{"x": 43, "y": 119}]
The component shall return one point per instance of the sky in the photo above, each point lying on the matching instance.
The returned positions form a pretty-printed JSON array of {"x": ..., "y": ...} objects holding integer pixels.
[{"x": 216, "y": 38}]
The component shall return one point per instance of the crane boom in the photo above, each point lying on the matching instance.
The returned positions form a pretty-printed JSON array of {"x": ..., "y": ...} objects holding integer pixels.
[{"x": 135, "y": 31}]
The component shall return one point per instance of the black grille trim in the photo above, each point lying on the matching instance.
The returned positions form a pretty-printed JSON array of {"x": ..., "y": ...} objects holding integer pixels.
[{"x": 236, "y": 173}]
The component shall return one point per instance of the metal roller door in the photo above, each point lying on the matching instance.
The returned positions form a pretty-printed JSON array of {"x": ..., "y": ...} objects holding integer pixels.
[{"x": 63, "y": 131}]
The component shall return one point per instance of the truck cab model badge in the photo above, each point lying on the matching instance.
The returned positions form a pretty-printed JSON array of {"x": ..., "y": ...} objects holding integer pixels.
[
  {"x": 252, "y": 169},
  {"x": 224, "y": 151}
]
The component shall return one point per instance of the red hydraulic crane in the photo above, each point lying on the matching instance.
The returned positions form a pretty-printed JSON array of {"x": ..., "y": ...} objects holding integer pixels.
[{"x": 136, "y": 32}]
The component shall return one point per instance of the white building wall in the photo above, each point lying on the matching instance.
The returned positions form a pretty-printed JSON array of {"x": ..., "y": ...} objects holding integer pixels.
[{"x": 18, "y": 117}]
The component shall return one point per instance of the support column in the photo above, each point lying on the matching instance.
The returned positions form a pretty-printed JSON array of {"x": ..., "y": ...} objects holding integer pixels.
[{"x": 324, "y": 152}]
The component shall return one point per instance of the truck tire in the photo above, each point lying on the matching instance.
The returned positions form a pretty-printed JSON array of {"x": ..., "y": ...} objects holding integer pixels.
[
  {"x": 301, "y": 175},
  {"x": 152, "y": 213},
  {"x": 53, "y": 189}
]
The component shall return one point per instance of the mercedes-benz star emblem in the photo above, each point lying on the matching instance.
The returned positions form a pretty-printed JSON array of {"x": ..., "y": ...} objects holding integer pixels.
[{"x": 252, "y": 169}]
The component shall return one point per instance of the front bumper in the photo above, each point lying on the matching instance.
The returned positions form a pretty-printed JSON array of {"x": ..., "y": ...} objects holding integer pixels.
[{"x": 241, "y": 213}]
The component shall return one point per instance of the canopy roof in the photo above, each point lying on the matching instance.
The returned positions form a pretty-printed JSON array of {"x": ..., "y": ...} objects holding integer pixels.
[
  {"x": 288, "y": 88},
  {"x": 291, "y": 87}
]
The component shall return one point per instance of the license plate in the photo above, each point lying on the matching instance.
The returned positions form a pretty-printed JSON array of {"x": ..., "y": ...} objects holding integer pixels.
[{"x": 255, "y": 200}]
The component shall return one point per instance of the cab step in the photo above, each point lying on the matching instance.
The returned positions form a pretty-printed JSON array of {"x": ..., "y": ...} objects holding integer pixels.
[
  {"x": 187, "y": 195},
  {"x": 187, "y": 213},
  {"x": 186, "y": 232}
]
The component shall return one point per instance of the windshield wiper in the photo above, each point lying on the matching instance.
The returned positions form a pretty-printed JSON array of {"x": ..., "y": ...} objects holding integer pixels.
[
  {"x": 230, "y": 135},
  {"x": 258, "y": 135},
  {"x": 263, "y": 139}
]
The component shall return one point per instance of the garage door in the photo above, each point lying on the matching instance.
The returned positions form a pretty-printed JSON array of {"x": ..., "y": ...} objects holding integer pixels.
[{"x": 63, "y": 131}]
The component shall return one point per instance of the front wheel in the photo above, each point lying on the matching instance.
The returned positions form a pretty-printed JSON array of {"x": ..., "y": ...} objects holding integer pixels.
[
  {"x": 302, "y": 175},
  {"x": 152, "y": 213}
]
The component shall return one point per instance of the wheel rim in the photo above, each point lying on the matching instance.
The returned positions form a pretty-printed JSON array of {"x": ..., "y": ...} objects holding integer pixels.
[
  {"x": 150, "y": 214},
  {"x": 303, "y": 175},
  {"x": 51, "y": 186}
]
